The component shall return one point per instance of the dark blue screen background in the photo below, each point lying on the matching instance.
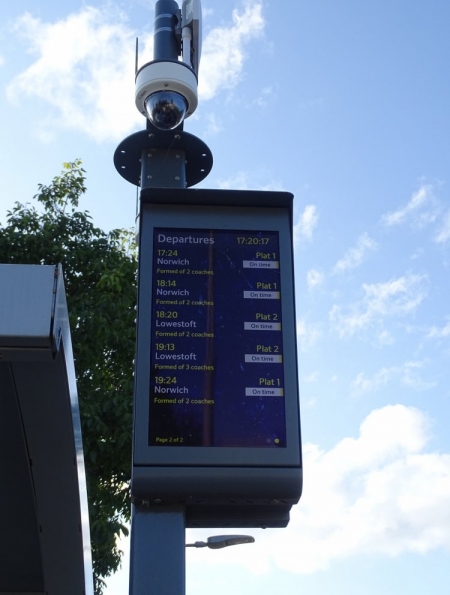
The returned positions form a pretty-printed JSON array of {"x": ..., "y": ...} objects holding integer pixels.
[{"x": 211, "y": 407}]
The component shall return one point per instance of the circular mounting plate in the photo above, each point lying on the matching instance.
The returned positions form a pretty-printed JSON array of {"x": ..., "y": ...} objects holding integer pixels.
[{"x": 127, "y": 156}]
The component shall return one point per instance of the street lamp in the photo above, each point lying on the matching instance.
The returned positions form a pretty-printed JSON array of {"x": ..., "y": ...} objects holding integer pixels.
[{"x": 219, "y": 541}]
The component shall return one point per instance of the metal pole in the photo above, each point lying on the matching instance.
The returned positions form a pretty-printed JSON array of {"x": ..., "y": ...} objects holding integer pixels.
[
  {"x": 165, "y": 44},
  {"x": 157, "y": 560},
  {"x": 157, "y": 548}
]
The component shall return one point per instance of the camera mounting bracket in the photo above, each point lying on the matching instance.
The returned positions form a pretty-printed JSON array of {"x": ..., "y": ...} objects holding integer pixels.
[{"x": 131, "y": 156}]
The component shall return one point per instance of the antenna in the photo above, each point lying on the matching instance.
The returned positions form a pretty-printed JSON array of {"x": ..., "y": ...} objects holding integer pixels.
[{"x": 136, "y": 57}]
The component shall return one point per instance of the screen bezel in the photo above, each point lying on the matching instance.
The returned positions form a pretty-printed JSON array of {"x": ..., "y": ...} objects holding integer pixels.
[{"x": 211, "y": 216}]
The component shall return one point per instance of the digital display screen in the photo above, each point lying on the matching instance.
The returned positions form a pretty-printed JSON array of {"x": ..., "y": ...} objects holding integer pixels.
[{"x": 216, "y": 375}]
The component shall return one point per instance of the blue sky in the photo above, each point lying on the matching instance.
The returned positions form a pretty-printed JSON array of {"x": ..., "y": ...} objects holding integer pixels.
[{"x": 345, "y": 104}]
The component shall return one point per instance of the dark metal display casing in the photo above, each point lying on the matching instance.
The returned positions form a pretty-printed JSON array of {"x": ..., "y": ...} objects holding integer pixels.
[
  {"x": 45, "y": 526},
  {"x": 220, "y": 486}
]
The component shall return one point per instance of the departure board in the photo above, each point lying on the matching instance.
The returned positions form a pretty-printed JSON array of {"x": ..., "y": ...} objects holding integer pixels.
[{"x": 216, "y": 374}]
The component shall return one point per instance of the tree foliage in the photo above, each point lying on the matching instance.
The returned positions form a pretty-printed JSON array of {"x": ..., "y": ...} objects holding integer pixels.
[{"x": 100, "y": 278}]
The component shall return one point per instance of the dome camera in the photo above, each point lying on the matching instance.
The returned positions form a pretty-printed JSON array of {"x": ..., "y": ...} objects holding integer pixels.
[
  {"x": 166, "y": 93},
  {"x": 165, "y": 109}
]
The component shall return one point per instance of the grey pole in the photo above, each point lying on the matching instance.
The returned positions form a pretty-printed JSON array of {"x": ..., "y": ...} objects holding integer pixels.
[
  {"x": 157, "y": 548},
  {"x": 157, "y": 557},
  {"x": 155, "y": 159}
]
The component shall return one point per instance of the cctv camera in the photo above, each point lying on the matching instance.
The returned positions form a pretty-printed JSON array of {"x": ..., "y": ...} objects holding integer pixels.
[
  {"x": 166, "y": 93},
  {"x": 165, "y": 109}
]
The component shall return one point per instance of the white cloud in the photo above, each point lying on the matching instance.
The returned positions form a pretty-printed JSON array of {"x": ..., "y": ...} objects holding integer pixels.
[
  {"x": 311, "y": 377},
  {"x": 84, "y": 67},
  {"x": 420, "y": 210},
  {"x": 362, "y": 384},
  {"x": 406, "y": 374},
  {"x": 213, "y": 125},
  {"x": 273, "y": 186},
  {"x": 398, "y": 297},
  {"x": 355, "y": 256},
  {"x": 440, "y": 333},
  {"x": 265, "y": 97},
  {"x": 207, "y": 12},
  {"x": 444, "y": 233},
  {"x": 237, "y": 182},
  {"x": 247, "y": 180},
  {"x": 378, "y": 493},
  {"x": 307, "y": 335},
  {"x": 417, "y": 254},
  {"x": 223, "y": 50},
  {"x": 314, "y": 278},
  {"x": 385, "y": 337},
  {"x": 304, "y": 228}
]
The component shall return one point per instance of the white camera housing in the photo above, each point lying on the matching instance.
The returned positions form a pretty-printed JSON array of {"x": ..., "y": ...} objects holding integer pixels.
[{"x": 166, "y": 76}]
